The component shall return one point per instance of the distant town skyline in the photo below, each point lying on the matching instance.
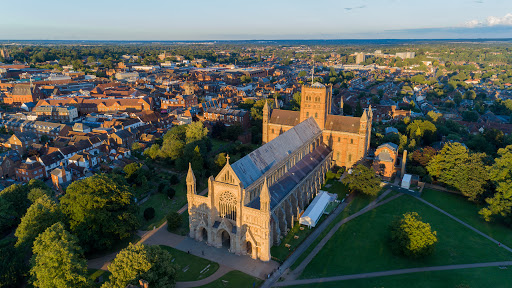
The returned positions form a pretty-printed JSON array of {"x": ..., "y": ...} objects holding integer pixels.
[{"x": 235, "y": 20}]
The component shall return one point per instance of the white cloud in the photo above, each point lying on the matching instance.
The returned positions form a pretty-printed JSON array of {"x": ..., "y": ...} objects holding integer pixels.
[
  {"x": 471, "y": 24},
  {"x": 490, "y": 21},
  {"x": 505, "y": 20}
]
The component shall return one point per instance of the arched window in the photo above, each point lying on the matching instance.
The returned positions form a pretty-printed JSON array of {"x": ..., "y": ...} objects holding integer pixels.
[
  {"x": 316, "y": 115},
  {"x": 307, "y": 114},
  {"x": 227, "y": 205},
  {"x": 351, "y": 141}
]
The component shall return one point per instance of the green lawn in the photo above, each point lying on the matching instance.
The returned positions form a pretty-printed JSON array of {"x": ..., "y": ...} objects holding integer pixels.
[
  {"x": 467, "y": 211},
  {"x": 163, "y": 205},
  {"x": 235, "y": 279},
  {"x": 463, "y": 278},
  {"x": 98, "y": 276},
  {"x": 192, "y": 268},
  {"x": 359, "y": 202},
  {"x": 361, "y": 245}
]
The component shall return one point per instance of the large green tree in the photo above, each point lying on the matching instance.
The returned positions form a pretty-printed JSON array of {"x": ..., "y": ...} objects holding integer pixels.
[
  {"x": 412, "y": 237},
  {"x": 101, "y": 210},
  {"x": 363, "y": 180},
  {"x": 195, "y": 132},
  {"x": 13, "y": 204},
  {"x": 58, "y": 261},
  {"x": 136, "y": 262},
  {"x": 455, "y": 166},
  {"x": 501, "y": 174},
  {"x": 40, "y": 215},
  {"x": 13, "y": 266}
]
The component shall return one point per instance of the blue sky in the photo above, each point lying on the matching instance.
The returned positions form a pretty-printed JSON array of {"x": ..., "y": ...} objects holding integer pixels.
[{"x": 263, "y": 19}]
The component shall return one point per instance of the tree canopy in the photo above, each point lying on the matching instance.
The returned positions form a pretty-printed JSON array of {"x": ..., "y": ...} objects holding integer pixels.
[
  {"x": 40, "y": 215},
  {"x": 58, "y": 261},
  {"x": 500, "y": 173},
  {"x": 101, "y": 210},
  {"x": 412, "y": 237},
  {"x": 455, "y": 166},
  {"x": 136, "y": 262},
  {"x": 363, "y": 180}
]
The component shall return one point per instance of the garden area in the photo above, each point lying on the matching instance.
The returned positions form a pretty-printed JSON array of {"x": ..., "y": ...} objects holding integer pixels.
[
  {"x": 362, "y": 245},
  {"x": 162, "y": 203}
]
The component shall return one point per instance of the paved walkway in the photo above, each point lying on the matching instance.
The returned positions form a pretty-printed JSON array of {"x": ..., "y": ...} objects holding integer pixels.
[
  {"x": 464, "y": 223},
  {"x": 390, "y": 272},
  {"x": 295, "y": 273}
]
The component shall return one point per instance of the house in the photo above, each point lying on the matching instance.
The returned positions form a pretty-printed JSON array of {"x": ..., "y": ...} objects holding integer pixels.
[
  {"x": 123, "y": 138},
  {"x": 60, "y": 177},
  {"x": 30, "y": 169},
  {"x": 20, "y": 141},
  {"x": 23, "y": 93},
  {"x": 228, "y": 116},
  {"x": 180, "y": 101},
  {"x": 9, "y": 161},
  {"x": 52, "y": 160},
  {"x": 84, "y": 159}
]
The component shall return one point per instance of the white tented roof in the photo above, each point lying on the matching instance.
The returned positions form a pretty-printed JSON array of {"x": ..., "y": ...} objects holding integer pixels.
[{"x": 315, "y": 209}]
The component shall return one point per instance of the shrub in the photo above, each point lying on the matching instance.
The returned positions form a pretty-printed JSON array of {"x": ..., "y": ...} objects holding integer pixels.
[
  {"x": 174, "y": 179},
  {"x": 149, "y": 213},
  {"x": 173, "y": 221},
  {"x": 412, "y": 237},
  {"x": 170, "y": 192}
]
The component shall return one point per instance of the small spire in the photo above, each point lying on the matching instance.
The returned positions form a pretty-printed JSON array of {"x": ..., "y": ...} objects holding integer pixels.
[
  {"x": 190, "y": 175},
  {"x": 227, "y": 158},
  {"x": 265, "y": 197}
]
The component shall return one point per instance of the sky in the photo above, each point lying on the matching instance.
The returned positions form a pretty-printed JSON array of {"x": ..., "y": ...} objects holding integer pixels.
[{"x": 254, "y": 20}]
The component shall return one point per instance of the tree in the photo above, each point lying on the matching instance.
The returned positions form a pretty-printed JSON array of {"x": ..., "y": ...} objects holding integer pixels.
[
  {"x": 458, "y": 168},
  {"x": 347, "y": 109},
  {"x": 101, "y": 210},
  {"x": 195, "y": 132},
  {"x": 136, "y": 262},
  {"x": 37, "y": 193},
  {"x": 173, "y": 221},
  {"x": 174, "y": 179},
  {"x": 12, "y": 265},
  {"x": 132, "y": 170},
  {"x": 303, "y": 73},
  {"x": 14, "y": 204},
  {"x": 470, "y": 116},
  {"x": 58, "y": 260},
  {"x": 359, "y": 110},
  {"x": 170, "y": 192},
  {"x": 40, "y": 215},
  {"x": 363, "y": 180},
  {"x": 412, "y": 237},
  {"x": 422, "y": 130},
  {"x": 500, "y": 173},
  {"x": 424, "y": 155},
  {"x": 149, "y": 213},
  {"x": 433, "y": 115}
]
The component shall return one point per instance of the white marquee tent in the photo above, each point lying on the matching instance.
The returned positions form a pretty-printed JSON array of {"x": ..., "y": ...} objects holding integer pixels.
[{"x": 315, "y": 209}]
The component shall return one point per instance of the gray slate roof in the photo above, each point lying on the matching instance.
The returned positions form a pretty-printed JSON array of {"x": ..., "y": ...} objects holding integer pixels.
[
  {"x": 251, "y": 167},
  {"x": 279, "y": 190}
]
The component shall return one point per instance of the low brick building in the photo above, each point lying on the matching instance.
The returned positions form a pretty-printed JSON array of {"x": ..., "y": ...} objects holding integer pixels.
[
  {"x": 30, "y": 169},
  {"x": 386, "y": 162},
  {"x": 227, "y": 116}
]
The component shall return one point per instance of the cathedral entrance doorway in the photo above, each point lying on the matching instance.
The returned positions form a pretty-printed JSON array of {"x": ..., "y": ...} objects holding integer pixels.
[
  {"x": 226, "y": 239},
  {"x": 203, "y": 235},
  {"x": 249, "y": 248}
]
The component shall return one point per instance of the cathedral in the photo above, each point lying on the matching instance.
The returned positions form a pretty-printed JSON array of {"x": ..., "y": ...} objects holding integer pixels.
[{"x": 253, "y": 203}]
